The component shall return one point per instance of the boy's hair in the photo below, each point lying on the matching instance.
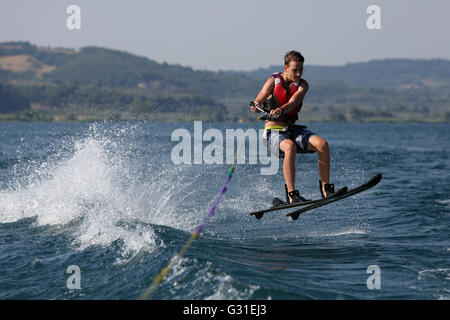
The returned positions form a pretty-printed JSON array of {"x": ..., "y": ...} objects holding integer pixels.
[{"x": 293, "y": 56}]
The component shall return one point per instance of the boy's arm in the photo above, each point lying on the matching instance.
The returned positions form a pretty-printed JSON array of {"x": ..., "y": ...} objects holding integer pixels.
[{"x": 265, "y": 92}]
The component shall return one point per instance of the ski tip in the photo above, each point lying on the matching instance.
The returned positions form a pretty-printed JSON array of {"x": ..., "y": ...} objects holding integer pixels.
[
  {"x": 294, "y": 216},
  {"x": 377, "y": 178},
  {"x": 258, "y": 215}
]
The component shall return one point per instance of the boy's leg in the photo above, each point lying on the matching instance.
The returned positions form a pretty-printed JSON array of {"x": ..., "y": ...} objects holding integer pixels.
[
  {"x": 290, "y": 149},
  {"x": 320, "y": 146}
]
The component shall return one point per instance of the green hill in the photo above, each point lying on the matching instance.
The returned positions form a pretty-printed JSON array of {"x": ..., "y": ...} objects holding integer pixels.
[
  {"x": 392, "y": 73},
  {"x": 48, "y": 84},
  {"x": 113, "y": 68}
]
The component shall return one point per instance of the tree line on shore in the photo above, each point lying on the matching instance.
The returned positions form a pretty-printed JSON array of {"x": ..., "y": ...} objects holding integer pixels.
[{"x": 48, "y": 84}]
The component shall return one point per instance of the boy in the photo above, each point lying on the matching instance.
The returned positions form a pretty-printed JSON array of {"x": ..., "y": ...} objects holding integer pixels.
[{"x": 286, "y": 92}]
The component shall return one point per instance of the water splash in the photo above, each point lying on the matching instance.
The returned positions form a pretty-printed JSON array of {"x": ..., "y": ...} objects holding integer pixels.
[{"x": 89, "y": 181}]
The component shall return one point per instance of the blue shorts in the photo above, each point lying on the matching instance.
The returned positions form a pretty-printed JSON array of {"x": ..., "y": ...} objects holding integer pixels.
[{"x": 296, "y": 133}]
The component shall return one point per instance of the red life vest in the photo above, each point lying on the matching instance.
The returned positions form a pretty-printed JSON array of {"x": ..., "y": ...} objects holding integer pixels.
[{"x": 283, "y": 94}]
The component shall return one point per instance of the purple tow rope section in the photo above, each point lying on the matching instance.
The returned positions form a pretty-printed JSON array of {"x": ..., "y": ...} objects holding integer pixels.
[
  {"x": 160, "y": 277},
  {"x": 211, "y": 210}
]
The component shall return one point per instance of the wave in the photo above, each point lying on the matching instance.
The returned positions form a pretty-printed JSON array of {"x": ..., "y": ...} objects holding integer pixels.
[
  {"x": 209, "y": 283},
  {"x": 97, "y": 181},
  {"x": 445, "y": 202},
  {"x": 344, "y": 232},
  {"x": 434, "y": 274}
]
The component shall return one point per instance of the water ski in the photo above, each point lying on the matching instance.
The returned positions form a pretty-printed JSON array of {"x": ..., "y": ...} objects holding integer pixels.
[
  {"x": 363, "y": 187},
  {"x": 278, "y": 204},
  {"x": 340, "y": 194}
]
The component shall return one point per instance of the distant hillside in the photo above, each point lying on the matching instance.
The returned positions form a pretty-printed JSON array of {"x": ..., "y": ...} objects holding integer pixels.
[
  {"x": 109, "y": 83},
  {"x": 96, "y": 83},
  {"x": 397, "y": 73},
  {"x": 112, "y": 68}
]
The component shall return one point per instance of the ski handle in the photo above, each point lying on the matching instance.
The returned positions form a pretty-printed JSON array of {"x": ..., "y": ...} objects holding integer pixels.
[
  {"x": 252, "y": 104},
  {"x": 267, "y": 115}
]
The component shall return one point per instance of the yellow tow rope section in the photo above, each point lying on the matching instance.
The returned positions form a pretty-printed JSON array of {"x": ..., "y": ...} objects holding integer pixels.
[{"x": 164, "y": 271}]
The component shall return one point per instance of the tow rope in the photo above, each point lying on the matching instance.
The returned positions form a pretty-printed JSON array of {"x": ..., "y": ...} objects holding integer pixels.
[{"x": 164, "y": 271}]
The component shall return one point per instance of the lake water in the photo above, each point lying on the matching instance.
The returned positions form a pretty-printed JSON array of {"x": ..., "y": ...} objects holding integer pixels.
[{"x": 108, "y": 199}]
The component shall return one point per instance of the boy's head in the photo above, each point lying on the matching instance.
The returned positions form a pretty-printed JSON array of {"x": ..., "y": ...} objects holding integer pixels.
[
  {"x": 293, "y": 56},
  {"x": 293, "y": 65}
]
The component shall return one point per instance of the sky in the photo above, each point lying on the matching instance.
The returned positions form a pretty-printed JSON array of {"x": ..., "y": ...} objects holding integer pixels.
[{"x": 237, "y": 34}]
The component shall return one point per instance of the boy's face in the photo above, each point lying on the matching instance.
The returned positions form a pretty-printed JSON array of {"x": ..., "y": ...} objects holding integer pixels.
[{"x": 294, "y": 71}]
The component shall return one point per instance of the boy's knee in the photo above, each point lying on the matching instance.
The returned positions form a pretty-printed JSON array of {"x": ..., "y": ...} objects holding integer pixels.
[
  {"x": 319, "y": 144},
  {"x": 323, "y": 145},
  {"x": 288, "y": 147}
]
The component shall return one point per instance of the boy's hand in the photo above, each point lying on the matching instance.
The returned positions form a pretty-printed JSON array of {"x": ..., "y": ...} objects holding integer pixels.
[
  {"x": 276, "y": 112},
  {"x": 252, "y": 107}
]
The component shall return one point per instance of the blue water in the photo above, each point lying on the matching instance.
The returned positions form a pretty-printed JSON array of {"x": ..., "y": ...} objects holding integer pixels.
[{"x": 107, "y": 198}]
